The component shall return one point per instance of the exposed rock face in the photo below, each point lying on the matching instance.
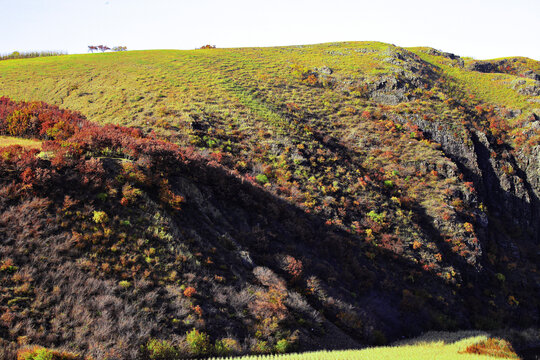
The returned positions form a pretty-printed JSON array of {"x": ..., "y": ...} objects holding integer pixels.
[
  {"x": 532, "y": 75},
  {"x": 531, "y": 90},
  {"x": 445, "y": 54},
  {"x": 508, "y": 184},
  {"x": 510, "y": 187},
  {"x": 506, "y": 189},
  {"x": 483, "y": 67},
  {"x": 530, "y": 163},
  {"x": 324, "y": 70},
  {"x": 507, "y": 66},
  {"x": 410, "y": 72}
]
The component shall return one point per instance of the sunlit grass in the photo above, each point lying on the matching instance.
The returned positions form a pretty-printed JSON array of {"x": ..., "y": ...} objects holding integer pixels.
[
  {"x": 133, "y": 86},
  {"x": 27, "y": 143},
  {"x": 421, "y": 349},
  {"x": 493, "y": 88}
]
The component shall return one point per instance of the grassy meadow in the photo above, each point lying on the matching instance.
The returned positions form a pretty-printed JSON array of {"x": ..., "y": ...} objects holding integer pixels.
[{"x": 137, "y": 86}]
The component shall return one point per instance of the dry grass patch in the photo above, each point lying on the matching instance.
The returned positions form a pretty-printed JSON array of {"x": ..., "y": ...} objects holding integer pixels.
[{"x": 27, "y": 143}]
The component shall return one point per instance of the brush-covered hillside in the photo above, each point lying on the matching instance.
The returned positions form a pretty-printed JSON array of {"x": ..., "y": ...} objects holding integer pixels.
[{"x": 265, "y": 199}]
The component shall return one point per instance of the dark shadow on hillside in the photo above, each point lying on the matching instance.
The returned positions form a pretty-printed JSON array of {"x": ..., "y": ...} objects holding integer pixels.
[
  {"x": 421, "y": 217},
  {"x": 513, "y": 211},
  {"x": 265, "y": 225}
]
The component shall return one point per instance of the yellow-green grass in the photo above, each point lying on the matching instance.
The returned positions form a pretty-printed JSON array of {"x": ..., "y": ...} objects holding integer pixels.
[
  {"x": 162, "y": 89},
  {"x": 421, "y": 350},
  {"x": 27, "y": 143},
  {"x": 493, "y": 88},
  {"x": 138, "y": 86}
]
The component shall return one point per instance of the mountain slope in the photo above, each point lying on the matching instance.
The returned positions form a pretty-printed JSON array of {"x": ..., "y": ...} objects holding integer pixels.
[{"x": 392, "y": 190}]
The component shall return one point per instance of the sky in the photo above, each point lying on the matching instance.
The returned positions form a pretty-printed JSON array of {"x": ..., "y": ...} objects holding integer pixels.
[{"x": 482, "y": 29}]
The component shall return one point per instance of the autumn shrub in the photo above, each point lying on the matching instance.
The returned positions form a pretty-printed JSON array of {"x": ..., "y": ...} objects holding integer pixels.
[
  {"x": 129, "y": 194},
  {"x": 38, "y": 120},
  {"x": 40, "y": 353},
  {"x": 305, "y": 75},
  {"x": 293, "y": 267},
  {"x": 190, "y": 292},
  {"x": 269, "y": 309},
  {"x": 492, "y": 347},
  {"x": 260, "y": 347}
]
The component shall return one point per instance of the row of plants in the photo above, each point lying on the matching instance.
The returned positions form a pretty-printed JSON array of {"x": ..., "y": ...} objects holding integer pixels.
[{"x": 30, "y": 54}]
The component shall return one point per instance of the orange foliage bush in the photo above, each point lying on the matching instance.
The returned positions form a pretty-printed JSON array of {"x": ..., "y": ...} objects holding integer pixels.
[
  {"x": 190, "y": 291},
  {"x": 492, "y": 347}
]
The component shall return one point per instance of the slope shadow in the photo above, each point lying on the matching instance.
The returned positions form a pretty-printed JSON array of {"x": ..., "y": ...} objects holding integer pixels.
[
  {"x": 268, "y": 226},
  {"x": 515, "y": 212}
]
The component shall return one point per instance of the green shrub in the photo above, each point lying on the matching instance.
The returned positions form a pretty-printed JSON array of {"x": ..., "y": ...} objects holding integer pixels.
[
  {"x": 100, "y": 217},
  {"x": 261, "y": 178},
  {"x": 282, "y": 346},
  {"x": 160, "y": 350},
  {"x": 378, "y": 218},
  {"x": 198, "y": 342},
  {"x": 124, "y": 284},
  {"x": 40, "y": 353}
]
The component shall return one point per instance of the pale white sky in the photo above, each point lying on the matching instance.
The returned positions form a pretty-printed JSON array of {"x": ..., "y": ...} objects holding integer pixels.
[{"x": 477, "y": 28}]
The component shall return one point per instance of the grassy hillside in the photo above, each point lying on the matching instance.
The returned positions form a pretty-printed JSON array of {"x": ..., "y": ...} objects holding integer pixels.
[{"x": 306, "y": 197}]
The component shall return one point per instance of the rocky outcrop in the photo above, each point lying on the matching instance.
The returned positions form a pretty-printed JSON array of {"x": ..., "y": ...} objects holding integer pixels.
[
  {"x": 513, "y": 66},
  {"x": 457, "y": 60},
  {"x": 507, "y": 183},
  {"x": 408, "y": 72},
  {"x": 508, "y": 186}
]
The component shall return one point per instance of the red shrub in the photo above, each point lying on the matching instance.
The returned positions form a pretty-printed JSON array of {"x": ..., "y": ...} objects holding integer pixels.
[{"x": 190, "y": 291}]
